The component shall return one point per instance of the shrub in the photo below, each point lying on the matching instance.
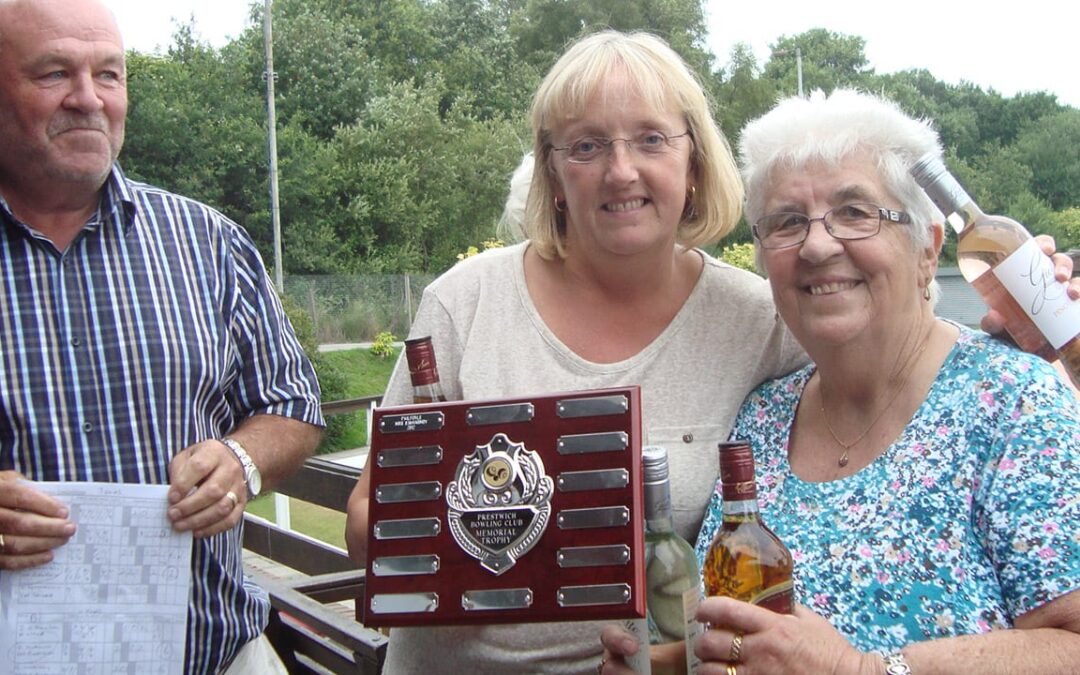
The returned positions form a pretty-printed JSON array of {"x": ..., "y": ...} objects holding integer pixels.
[
  {"x": 741, "y": 256},
  {"x": 383, "y": 345}
]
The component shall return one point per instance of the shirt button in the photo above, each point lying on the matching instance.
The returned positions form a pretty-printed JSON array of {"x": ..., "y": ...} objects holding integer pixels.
[
  {"x": 87, "y": 427},
  {"x": 75, "y": 341},
  {"x": 688, "y": 438}
]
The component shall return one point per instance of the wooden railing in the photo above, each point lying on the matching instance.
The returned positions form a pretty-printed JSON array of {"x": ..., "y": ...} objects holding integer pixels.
[{"x": 310, "y": 634}]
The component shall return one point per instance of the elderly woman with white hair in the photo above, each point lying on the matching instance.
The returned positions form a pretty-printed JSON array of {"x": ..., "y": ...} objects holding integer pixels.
[{"x": 924, "y": 475}]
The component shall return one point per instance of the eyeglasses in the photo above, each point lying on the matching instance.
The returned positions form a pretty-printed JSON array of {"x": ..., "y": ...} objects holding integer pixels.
[
  {"x": 649, "y": 144},
  {"x": 849, "y": 221}
]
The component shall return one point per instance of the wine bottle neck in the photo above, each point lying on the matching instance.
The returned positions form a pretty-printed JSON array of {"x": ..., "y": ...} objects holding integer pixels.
[
  {"x": 428, "y": 393},
  {"x": 658, "y": 507},
  {"x": 945, "y": 191}
]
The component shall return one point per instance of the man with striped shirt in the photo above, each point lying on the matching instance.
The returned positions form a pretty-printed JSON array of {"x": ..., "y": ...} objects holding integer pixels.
[{"x": 140, "y": 338}]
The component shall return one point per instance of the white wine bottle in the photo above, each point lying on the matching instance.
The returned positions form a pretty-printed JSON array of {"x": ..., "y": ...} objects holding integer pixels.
[
  {"x": 999, "y": 257},
  {"x": 671, "y": 569}
]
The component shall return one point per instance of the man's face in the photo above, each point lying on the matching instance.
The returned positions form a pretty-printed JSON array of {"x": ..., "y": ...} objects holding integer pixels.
[{"x": 63, "y": 95}]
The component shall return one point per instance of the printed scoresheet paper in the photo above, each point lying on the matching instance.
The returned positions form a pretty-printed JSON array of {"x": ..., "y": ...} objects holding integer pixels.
[{"x": 113, "y": 600}]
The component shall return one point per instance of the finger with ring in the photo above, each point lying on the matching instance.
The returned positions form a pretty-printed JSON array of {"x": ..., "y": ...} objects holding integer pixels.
[
  {"x": 736, "y": 647},
  {"x": 231, "y": 496},
  {"x": 732, "y": 669},
  {"x": 600, "y": 666}
]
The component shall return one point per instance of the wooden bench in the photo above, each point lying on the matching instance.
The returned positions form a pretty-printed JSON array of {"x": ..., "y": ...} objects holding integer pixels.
[{"x": 311, "y": 627}]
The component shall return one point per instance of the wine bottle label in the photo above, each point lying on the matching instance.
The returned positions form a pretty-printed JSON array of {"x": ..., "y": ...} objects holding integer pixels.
[
  {"x": 779, "y": 598},
  {"x": 694, "y": 629},
  {"x": 1028, "y": 275},
  {"x": 639, "y": 662}
]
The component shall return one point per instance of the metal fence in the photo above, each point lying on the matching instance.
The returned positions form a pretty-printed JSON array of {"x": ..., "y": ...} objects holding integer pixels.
[{"x": 357, "y": 308}]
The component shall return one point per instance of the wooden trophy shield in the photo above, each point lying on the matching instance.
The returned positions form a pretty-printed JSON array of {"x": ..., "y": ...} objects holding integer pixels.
[{"x": 506, "y": 511}]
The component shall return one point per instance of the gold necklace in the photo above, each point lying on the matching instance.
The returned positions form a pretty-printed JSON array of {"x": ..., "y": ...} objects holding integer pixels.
[{"x": 909, "y": 367}]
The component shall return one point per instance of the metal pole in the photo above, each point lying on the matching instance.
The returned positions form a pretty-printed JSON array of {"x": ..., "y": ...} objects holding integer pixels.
[
  {"x": 798, "y": 69},
  {"x": 271, "y": 134},
  {"x": 282, "y": 514}
]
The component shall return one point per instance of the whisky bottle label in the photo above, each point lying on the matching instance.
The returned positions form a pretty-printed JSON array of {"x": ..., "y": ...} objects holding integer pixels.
[
  {"x": 1028, "y": 275},
  {"x": 779, "y": 598}
]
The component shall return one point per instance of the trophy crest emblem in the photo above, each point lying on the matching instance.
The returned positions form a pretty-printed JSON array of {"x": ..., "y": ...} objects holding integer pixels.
[{"x": 499, "y": 503}]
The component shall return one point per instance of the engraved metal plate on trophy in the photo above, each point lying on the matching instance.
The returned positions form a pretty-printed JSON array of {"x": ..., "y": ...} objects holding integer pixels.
[{"x": 499, "y": 511}]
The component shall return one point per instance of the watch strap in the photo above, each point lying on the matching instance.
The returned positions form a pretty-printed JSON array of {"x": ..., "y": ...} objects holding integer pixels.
[
  {"x": 245, "y": 461},
  {"x": 896, "y": 664}
]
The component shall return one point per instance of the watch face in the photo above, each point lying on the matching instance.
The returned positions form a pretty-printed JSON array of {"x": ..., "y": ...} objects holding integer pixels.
[{"x": 254, "y": 482}]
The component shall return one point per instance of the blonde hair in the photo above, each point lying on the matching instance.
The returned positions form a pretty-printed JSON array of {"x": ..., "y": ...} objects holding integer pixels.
[{"x": 663, "y": 80}]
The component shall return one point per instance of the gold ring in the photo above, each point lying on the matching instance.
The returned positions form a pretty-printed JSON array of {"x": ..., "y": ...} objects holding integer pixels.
[
  {"x": 232, "y": 498},
  {"x": 2, "y": 545},
  {"x": 600, "y": 666},
  {"x": 732, "y": 669},
  {"x": 736, "y": 647}
]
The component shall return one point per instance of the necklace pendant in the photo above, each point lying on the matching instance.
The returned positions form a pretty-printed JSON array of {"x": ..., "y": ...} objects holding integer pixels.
[{"x": 843, "y": 461}]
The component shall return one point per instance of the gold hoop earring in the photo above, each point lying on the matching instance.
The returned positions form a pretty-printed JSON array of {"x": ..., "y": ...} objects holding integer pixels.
[
  {"x": 689, "y": 210},
  {"x": 560, "y": 207},
  {"x": 926, "y": 293}
]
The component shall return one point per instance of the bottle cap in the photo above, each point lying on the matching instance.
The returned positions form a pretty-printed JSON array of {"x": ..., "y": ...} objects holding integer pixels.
[
  {"x": 737, "y": 471},
  {"x": 420, "y": 354},
  {"x": 655, "y": 463},
  {"x": 940, "y": 186}
]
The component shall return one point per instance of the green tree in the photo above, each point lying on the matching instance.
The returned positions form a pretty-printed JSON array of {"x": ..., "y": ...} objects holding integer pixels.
[
  {"x": 829, "y": 60},
  {"x": 1051, "y": 147},
  {"x": 424, "y": 185},
  {"x": 542, "y": 28},
  {"x": 743, "y": 94}
]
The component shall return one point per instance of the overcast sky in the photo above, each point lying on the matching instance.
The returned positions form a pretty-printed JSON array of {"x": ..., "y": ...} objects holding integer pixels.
[{"x": 1027, "y": 46}]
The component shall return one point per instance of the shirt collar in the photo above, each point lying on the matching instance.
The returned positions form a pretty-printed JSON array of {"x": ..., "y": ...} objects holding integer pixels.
[
  {"x": 117, "y": 200},
  {"x": 116, "y": 204}
]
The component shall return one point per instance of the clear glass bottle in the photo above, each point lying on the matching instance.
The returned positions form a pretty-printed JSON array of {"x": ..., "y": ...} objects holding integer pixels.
[
  {"x": 671, "y": 569},
  {"x": 1001, "y": 259},
  {"x": 424, "y": 373},
  {"x": 745, "y": 559}
]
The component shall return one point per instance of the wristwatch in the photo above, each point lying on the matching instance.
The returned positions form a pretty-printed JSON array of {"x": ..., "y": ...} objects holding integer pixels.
[
  {"x": 896, "y": 664},
  {"x": 252, "y": 477}
]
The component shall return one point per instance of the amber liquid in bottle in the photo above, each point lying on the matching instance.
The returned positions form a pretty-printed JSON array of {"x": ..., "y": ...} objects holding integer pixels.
[
  {"x": 420, "y": 355},
  {"x": 746, "y": 560},
  {"x": 992, "y": 250}
]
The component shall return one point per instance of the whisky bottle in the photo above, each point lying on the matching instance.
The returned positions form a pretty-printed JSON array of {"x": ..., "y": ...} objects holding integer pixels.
[
  {"x": 671, "y": 570},
  {"x": 1008, "y": 269},
  {"x": 420, "y": 355},
  {"x": 746, "y": 560}
]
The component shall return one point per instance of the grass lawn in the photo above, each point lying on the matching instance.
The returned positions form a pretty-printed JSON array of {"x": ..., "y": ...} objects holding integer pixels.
[
  {"x": 365, "y": 375},
  {"x": 313, "y": 520}
]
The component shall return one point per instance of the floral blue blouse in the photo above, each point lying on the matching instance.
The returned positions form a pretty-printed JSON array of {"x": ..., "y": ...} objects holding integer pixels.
[{"x": 971, "y": 518}]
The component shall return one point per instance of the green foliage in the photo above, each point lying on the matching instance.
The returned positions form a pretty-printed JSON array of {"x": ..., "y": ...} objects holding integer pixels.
[
  {"x": 1052, "y": 150},
  {"x": 399, "y": 122},
  {"x": 361, "y": 373},
  {"x": 741, "y": 256},
  {"x": 332, "y": 381},
  {"x": 829, "y": 60},
  {"x": 383, "y": 345},
  {"x": 488, "y": 244},
  {"x": 1066, "y": 227}
]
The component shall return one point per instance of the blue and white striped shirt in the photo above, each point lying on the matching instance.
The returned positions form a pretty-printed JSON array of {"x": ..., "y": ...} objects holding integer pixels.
[{"x": 157, "y": 328}]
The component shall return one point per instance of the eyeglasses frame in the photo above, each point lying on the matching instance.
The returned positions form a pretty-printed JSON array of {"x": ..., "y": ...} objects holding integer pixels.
[
  {"x": 607, "y": 144},
  {"x": 884, "y": 215}
]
